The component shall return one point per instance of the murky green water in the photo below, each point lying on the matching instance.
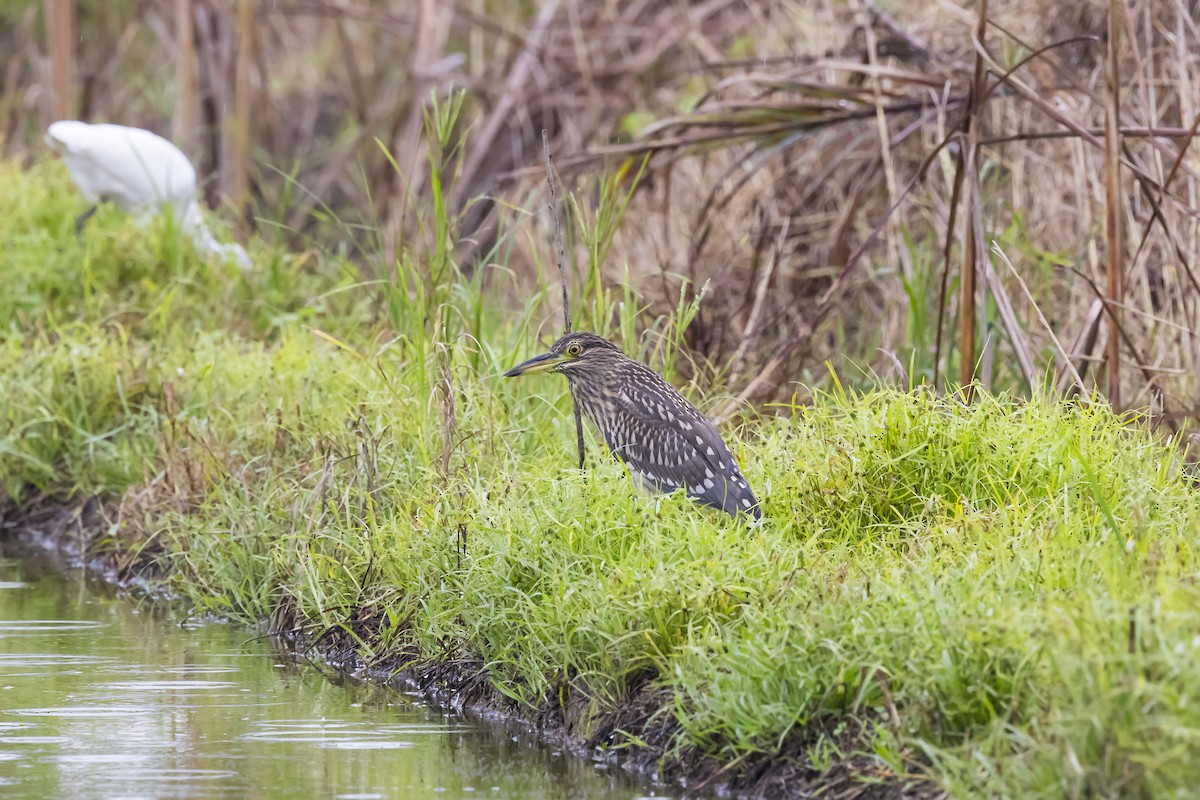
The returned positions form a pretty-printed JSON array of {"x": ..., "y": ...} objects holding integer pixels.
[{"x": 101, "y": 698}]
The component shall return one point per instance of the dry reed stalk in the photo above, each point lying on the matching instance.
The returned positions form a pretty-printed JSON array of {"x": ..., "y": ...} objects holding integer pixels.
[
  {"x": 445, "y": 388},
  {"x": 801, "y": 331},
  {"x": 1127, "y": 132},
  {"x": 60, "y": 43},
  {"x": 560, "y": 258},
  {"x": 215, "y": 108},
  {"x": 1093, "y": 137},
  {"x": 187, "y": 101},
  {"x": 971, "y": 244},
  {"x": 896, "y": 253},
  {"x": 516, "y": 88},
  {"x": 1139, "y": 360},
  {"x": 947, "y": 245},
  {"x": 1114, "y": 244},
  {"x": 1067, "y": 365},
  {"x": 239, "y": 164},
  {"x": 750, "y": 333},
  {"x": 1017, "y": 338}
]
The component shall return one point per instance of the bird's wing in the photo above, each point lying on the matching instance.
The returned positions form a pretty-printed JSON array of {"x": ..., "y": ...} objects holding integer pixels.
[{"x": 670, "y": 445}]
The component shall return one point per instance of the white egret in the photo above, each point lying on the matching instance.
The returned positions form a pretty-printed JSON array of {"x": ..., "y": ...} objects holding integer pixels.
[{"x": 140, "y": 172}]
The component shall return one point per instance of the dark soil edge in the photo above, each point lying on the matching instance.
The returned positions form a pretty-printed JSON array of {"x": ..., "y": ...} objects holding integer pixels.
[{"x": 78, "y": 532}]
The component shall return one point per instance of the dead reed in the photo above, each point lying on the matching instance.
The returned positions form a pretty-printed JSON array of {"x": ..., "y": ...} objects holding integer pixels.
[{"x": 819, "y": 165}]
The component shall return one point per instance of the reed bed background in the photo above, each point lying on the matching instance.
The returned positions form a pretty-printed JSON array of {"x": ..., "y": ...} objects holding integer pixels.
[{"x": 906, "y": 189}]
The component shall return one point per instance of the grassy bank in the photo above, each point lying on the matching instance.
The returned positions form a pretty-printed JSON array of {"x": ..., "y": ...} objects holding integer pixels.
[{"x": 999, "y": 597}]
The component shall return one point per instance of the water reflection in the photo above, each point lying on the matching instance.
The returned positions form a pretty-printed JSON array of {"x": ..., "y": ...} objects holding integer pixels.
[{"x": 103, "y": 698}]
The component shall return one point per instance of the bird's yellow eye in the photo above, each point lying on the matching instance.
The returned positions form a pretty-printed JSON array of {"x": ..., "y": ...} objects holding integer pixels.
[{"x": 574, "y": 349}]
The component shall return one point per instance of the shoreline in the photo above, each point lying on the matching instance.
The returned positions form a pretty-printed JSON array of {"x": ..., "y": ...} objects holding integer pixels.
[{"x": 70, "y": 531}]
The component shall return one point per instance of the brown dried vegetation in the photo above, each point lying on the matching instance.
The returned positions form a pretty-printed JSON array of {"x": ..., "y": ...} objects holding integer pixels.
[{"x": 843, "y": 177}]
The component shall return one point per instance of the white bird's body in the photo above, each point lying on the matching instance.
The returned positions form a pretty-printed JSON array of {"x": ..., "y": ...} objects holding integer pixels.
[{"x": 140, "y": 172}]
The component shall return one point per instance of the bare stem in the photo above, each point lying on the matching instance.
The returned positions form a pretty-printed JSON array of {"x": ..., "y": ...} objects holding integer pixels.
[
  {"x": 971, "y": 243},
  {"x": 560, "y": 255},
  {"x": 1114, "y": 244}
]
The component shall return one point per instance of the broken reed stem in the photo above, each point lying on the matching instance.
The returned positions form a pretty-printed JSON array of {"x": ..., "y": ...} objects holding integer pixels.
[
  {"x": 1114, "y": 244},
  {"x": 971, "y": 246},
  {"x": 969, "y": 273},
  {"x": 560, "y": 256},
  {"x": 560, "y": 252},
  {"x": 60, "y": 42}
]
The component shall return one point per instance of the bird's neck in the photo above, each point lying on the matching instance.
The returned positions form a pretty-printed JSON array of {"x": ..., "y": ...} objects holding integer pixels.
[{"x": 591, "y": 395}]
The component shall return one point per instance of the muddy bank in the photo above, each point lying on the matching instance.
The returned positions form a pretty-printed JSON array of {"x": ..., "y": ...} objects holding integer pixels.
[{"x": 80, "y": 533}]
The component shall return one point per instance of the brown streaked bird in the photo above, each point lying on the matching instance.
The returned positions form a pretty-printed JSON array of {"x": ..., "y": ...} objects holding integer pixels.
[{"x": 663, "y": 440}]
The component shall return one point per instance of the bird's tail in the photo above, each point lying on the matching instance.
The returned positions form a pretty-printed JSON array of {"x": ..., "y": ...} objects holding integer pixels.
[{"x": 207, "y": 243}]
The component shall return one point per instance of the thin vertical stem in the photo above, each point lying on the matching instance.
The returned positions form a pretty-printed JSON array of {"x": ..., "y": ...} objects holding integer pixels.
[
  {"x": 187, "y": 106},
  {"x": 60, "y": 42},
  {"x": 1114, "y": 238},
  {"x": 955, "y": 199},
  {"x": 971, "y": 245},
  {"x": 966, "y": 302},
  {"x": 560, "y": 255},
  {"x": 560, "y": 252}
]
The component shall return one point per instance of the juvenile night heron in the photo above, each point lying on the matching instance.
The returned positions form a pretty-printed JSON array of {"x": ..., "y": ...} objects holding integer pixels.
[{"x": 664, "y": 441}]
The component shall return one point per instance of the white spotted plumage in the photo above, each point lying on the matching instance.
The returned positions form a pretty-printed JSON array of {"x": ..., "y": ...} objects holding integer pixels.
[{"x": 662, "y": 439}]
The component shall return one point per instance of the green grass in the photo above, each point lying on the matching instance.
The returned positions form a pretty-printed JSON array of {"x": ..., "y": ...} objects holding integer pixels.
[{"x": 1020, "y": 577}]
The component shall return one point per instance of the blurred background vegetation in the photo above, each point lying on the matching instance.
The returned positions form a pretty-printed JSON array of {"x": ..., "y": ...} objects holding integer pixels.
[{"x": 914, "y": 191}]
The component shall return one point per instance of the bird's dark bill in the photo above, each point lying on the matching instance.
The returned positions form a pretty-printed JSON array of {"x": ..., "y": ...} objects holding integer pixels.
[{"x": 546, "y": 362}]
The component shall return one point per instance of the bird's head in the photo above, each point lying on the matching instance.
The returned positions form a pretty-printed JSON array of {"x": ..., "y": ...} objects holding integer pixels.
[{"x": 575, "y": 353}]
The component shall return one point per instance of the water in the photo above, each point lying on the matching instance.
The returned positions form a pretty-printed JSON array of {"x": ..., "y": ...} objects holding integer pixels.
[{"x": 101, "y": 697}]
